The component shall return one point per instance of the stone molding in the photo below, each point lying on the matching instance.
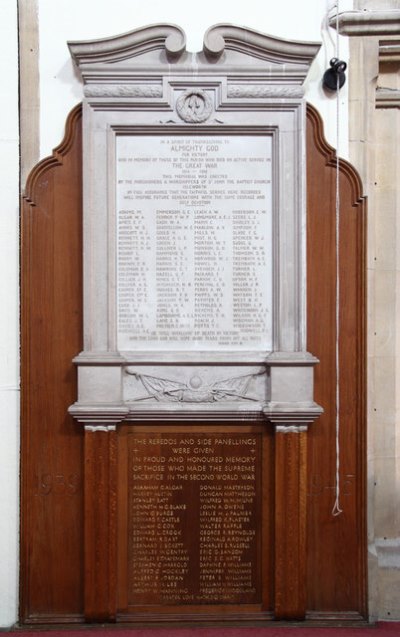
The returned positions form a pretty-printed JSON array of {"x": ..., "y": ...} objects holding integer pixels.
[
  {"x": 249, "y": 90},
  {"x": 292, "y": 417},
  {"x": 291, "y": 429},
  {"x": 99, "y": 415},
  {"x": 389, "y": 53},
  {"x": 93, "y": 358},
  {"x": 100, "y": 428},
  {"x": 123, "y": 90},
  {"x": 387, "y": 98},
  {"x": 367, "y": 23},
  {"x": 166, "y": 37},
  {"x": 293, "y": 359},
  {"x": 203, "y": 413},
  {"x": 389, "y": 50}
]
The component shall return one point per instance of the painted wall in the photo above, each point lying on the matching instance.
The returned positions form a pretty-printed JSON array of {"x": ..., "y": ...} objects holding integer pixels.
[
  {"x": 9, "y": 300},
  {"x": 60, "y": 89}
]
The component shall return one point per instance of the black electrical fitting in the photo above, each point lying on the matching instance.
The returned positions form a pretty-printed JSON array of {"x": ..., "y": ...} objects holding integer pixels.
[{"x": 335, "y": 73}]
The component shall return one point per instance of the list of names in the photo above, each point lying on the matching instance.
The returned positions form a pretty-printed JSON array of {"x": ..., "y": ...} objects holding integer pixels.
[
  {"x": 194, "y": 242},
  {"x": 193, "y": 513}
]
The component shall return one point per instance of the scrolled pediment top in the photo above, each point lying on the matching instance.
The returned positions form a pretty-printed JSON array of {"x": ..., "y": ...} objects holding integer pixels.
[
  {"x": 138, "y": 42},
  {"x": 221, "y": 37},
  {"x": 113, "y": 53}
]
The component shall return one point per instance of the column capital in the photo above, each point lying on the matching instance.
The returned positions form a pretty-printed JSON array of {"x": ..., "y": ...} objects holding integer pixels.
[
  {"x": 99, "y": 417},
  {"x": 292, "y": 417}
]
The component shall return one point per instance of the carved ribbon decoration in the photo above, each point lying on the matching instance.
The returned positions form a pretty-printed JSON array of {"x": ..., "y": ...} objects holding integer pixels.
[{"x": 163, "y": 389}]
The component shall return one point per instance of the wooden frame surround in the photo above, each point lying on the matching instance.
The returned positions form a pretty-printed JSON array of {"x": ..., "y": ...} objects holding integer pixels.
[
  {"x": 114, "y": 499},
  {"x": 57, "y": 580}
]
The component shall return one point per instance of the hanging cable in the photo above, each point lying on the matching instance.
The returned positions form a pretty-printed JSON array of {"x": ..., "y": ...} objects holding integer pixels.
[{"x": 336, "y": 510}]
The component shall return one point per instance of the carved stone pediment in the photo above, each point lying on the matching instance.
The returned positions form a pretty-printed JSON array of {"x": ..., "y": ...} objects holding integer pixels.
[
  {"x": 113, "y": 67},
  {"x": 170, "y": 41}
]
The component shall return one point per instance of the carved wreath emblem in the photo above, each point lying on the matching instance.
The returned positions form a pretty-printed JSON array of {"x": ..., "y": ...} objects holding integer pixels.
[{"x": 194, "y": 106}]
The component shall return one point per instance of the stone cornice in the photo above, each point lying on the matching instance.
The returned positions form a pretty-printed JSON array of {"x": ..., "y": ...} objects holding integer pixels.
[
  {"x": 292, "y": 359},
  {"x": 367, "y": 23},
  {"x": 99, "y": 358},
  {"x": 235, "y": 415},
  {"x": 292, "y": 417},
  {"x": 389, "y": 50},
  {"x": 99, "y": 415},
  {"x": 387, "y": 98}
]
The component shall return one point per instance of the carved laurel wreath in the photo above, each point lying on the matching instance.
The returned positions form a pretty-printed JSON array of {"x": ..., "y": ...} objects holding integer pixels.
[{"x": 194, "y": 106}]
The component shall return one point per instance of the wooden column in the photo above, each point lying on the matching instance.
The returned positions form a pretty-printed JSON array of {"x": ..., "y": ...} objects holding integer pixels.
[
  {"x": 100, "y": 499},
  {"x": 290, "y": 546},
  {"x": 290, "y": 521}
]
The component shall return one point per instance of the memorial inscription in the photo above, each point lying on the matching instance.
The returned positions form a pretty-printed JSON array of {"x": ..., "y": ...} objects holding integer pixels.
[
  {"x": 192, "y": 518},
  {"x": 194, "y": 242}
]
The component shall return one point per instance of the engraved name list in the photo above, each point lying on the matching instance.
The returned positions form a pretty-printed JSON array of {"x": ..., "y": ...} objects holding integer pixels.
[
  {"x": 194, "y": 242},
  {"x": 192, "y": 518}
]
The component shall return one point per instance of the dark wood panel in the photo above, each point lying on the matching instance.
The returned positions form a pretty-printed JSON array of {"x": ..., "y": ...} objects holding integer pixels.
[
  {"x": 337, "y": 548},
  {"x": 290, "y": 529},
  {"x": 191, "y": 521},
  {"x": 51, "y": 308},
  {"x": 100, "y": 525}
]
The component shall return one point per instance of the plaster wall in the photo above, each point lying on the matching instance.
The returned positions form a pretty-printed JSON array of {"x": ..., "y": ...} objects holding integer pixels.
[
  {"x": 9, "y": 328},
  {"x": 44, "y": 107}
]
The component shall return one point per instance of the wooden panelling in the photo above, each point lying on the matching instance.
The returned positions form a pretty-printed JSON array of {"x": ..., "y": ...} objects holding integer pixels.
[
  {"x": 290, "y": 521},
  {"x": 336, "y": 576},
  {"x": 100, "y": 525},
  {"x": 52, "y": 507},
  {"x": 52, "y": 452},
  {"x": 194, "y": 537}
]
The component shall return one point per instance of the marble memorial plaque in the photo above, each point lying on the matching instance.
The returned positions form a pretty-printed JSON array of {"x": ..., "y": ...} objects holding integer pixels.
[
  {"x": 193, "y": 518},
  {"x": 194, "y": 242}
]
